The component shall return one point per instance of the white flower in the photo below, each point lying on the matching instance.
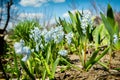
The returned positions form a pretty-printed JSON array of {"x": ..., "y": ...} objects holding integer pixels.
[
  {"x": 69, "y": 37},
  {"x": 19, "y": 47},
  {"x": 44, "y": 31},
  {"x": 32, "y": 50},
  {"x": 35, "y": 34},
  {"x": 86, "y": 20},
  {"x": 25, "y": 58},
  {"x": 55, "y": 34},
  {"x": 115, "y": 38},
  {"x": 59, "y": 37},
  {"x": 58, "y": 34},
  {"x": 26, "y": 50},
  {"x": 63, "y": 52},
  {"x": 48, "y": 37},
  {"x": 26, "y": 53},
  {"x": 23, "y": 50},
  {"x": 37, "y": 48}
]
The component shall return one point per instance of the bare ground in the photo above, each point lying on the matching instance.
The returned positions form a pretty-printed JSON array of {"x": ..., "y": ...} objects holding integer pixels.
[{"x": 97, "y": 72}]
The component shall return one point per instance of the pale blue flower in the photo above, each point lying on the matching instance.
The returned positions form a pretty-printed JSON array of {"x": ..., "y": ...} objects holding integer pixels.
[
  {"x": 35, "y": 34},
  {"x": 63, "y": 52},
  {"x": 26, "y": 50},
  {"x": 59, "y": 37},
  {"x": 37, "y": 48},
  {"x": 55, "y": 34},
  {"x": 69, "y": 37},
  {"x": 48, "y": 37},
  {"x": 44, "y": 31},
  {"x": 32, "y": 50},
  {"x": 20, "y": 48},
  {"x": 115, "y": 38},
  {"x": 26, "y": 53},
  {"x": 58, "y": 34},
  {"x": 24, "y": 58},
  {"x": 86, "y": 20}
]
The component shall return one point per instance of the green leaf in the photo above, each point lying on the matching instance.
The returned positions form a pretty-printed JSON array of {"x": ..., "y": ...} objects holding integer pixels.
[
  {"x": 72, "y": 17},
  {"x": 110, "y": 15},
  {"x": 27, "y": 71},
  {"x": 94, "y": 59},
  {"x": 89, "y": 34},
  {"x": 16, "y": 65},
  {"x": 78, "y": 24},
  {"x": 103, "y": 64},
  {"x": 66, "y": 26},
  {"x": 117, "y": 45},
  {"x": 30, "y": 66},
  {"x": 107, "y": 24},
  {"x": 101, "y": 55},
  {"x": 90, "y": 62},
  {"x": 55, "y": 66}
]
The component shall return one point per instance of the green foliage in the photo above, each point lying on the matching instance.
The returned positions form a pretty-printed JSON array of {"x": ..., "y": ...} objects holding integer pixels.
[
  {"x": 27, "y": 71},
  {"x": 66, "y": 26},
  {"x": 111, "y": 25},
  {"x": 81, "y": 40},
  {"x": 22, "y": 30}
]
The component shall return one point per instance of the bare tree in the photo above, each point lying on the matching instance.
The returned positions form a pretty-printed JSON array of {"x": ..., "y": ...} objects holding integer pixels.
[
  {"x": 8, "y": 7},
  {"x": 4, "y": 5}
]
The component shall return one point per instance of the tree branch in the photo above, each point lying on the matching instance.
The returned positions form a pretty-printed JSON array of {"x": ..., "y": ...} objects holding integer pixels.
[{"x": 9, "y": 4}]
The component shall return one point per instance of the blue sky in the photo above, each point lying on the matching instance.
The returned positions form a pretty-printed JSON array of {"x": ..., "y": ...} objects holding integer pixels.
[
  {"x": 59, "y": 7},
  {"x": 44, "y": 9}
]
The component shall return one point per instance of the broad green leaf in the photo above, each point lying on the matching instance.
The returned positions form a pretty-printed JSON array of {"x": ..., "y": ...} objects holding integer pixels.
[
  {"x": 89, "y": 34},
  {"x": 66, "y": 26},
  {"x": 94, "y": 59},
  {"x": 90, "y": 62},
  {"x": 117, "y": 45},
  {"x": 78, "y": 24},
  {"x": 72, "y": 17},
  {"x": 29, "y": 63},
  {"x": 55, "y": 66},
  {"x": 110, "y": 15},
  {"x": 101, "y": 55},
  {"x": 27, "y": 71},
  {"x": 107, "y": 25},
  {"x": 116, "y": 29}
]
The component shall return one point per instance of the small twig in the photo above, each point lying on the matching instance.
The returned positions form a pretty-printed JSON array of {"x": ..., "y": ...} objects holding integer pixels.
[{"x": 104, "y": 46}]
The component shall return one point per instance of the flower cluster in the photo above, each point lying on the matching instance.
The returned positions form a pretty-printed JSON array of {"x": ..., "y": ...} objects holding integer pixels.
[
  {"x": 69, "y": 37},
  {"x": 41, "y": 38},
  {"x": 38, "y": 36},
  {"x": 86, "y": 20},
  {"x": 55, "y": 34},
  {"x": 35, "y": 34},
  {"x": 20, "y": 48},
  {"x": 63, "y": 52}
]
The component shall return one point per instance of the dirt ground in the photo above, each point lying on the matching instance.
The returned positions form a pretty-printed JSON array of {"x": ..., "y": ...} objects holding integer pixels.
[{"x": 97, "y": 72}]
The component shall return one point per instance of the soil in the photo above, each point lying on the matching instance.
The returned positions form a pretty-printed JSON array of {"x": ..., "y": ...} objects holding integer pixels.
[{"x": 97, "y": 72}]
